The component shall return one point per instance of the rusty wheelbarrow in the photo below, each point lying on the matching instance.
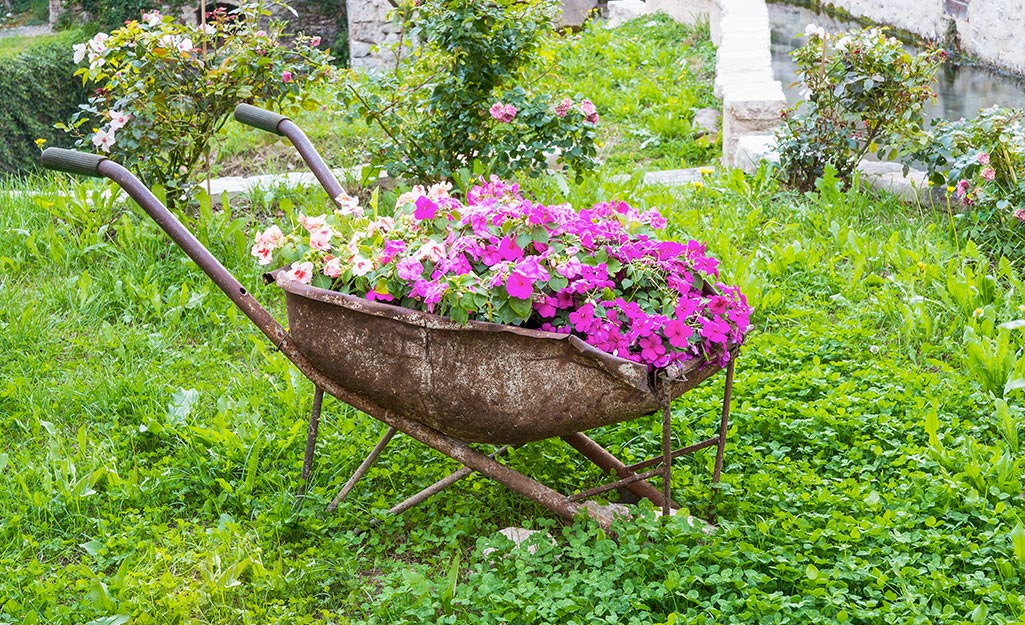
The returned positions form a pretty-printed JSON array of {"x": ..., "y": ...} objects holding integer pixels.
[{"x": 445, "y": 384}]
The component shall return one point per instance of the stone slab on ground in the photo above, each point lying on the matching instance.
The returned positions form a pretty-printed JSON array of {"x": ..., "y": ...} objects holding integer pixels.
[
  {"x": 752, "y": 149},
  {"x": 520, "y": 535}
]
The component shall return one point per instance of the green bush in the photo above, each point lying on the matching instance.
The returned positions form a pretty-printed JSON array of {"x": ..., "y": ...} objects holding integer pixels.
[
  {"x": 864, "y": 93},
  {"x": 981, "y": 161},
  {"x": 37, "y": 88},
  {"x": 465, "y": 96}
]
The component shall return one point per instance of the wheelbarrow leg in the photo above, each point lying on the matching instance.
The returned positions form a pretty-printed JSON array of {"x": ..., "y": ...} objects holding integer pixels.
[
  {"x": 311, "y": 439},
  {"x": 607, "y": 462},
  {"x": 440, "y": 485},
  {"x": 724, "y": 423},
  {"x": 362, "y": 469}
]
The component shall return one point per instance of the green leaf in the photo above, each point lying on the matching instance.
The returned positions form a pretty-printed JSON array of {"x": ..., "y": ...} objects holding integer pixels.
[
  {"x": 812, "y": 572},
  {"x": 1018, "y": 540}
]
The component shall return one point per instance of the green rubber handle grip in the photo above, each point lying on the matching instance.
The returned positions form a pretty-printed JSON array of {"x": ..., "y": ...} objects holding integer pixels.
[
  {"x": 259, "y": 118},
  {"x": 73, "y": 162}
]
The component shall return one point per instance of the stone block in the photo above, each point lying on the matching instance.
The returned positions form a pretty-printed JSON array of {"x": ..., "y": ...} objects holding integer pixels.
[
  {"x": 576, "y": 12},
  {"x": 706, "y": 121},
  {"x": 622, "y": 11},
  {"x": 752, "y": 149},
  {"x": 684, "y": 11}
]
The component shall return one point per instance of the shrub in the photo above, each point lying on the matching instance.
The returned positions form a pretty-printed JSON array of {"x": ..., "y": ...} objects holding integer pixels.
[
  {"x": 164, "y": 89},
  {"x": 464, "y": 96},
  {"x": 863, "y": 92},
  {"x": 981, "y": 161},
  {"x": 37, "y": 86}
]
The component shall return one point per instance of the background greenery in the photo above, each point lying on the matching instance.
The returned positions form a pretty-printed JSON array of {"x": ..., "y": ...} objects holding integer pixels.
[{"x": 37, "y": 88}]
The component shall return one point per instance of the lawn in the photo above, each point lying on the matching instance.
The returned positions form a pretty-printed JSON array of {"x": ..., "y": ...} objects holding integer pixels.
[{"x": 153, "y": 439}]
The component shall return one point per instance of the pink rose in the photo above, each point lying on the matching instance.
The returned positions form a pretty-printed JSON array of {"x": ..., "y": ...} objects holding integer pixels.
[
  {"x": 983, "y": 158},
  {"x": 989, "y": 173},
  {"x": 563, "y": 107},
  {"x": 286, "y": 76}
]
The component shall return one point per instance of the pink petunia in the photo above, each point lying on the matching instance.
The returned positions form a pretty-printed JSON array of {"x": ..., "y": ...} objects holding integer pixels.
[
  {"x": 519, "y": 286},
  {"x": 425, "y": 208},
  {"x": 300, "y": 272},
  {"x": 409, "y": 268}
]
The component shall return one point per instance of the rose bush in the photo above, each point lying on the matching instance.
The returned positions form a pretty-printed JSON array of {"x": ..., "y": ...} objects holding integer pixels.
[
  {"x": 862, "y": 91},
  {"x": 465, "y": 98},
  {"x": 164, "y": 88},
  {"x": 981, "y": 162},
  {"x": 599, "y": 273}
]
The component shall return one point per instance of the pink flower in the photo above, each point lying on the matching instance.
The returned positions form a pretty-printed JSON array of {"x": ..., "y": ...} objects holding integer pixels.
[
  {"x": 286, "y": 76},
  {"x": 333, "y": 267},
  {"x": 988, "y": 173},
  {"x": 300, "y": 272},
  {"x": 118, "y": 119},
  {"x": 509, "y": 250},
  {"x": 409, "y": 268},
  {"x": 519, "y": 286},
  {"x": 983, "y": 158},
  {"x": 504, "y": 113},
  {"x": 1020, "y": 214},
  {"x": 432, "y": 251},
  {"x": 104, "y": 139},
  {"x": 314, "y": 42},
  {"x": 563, "y": 107},
  {"x": 590, "y": 111},
  {"x": 272, "y": 236},
  {"x": 312, "y": 223},
  {"x": 348, "y": 204},
  {"x": 678, "y": 333},
  {"x": 320, "y": 239},
  {"x": 361, "y": 266},
  {"x": 263, "y": 253},
  {"x": 425, "y": 208}
]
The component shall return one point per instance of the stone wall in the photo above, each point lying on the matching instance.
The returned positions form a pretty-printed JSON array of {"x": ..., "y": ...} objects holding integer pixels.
[
  {"x": 988, "y": 29},
  {"x": 370, "y": 34}
]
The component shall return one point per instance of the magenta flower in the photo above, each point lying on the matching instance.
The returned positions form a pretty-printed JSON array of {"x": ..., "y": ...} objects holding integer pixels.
[
  {"x": 678, "y": 333},
  {"x": 509, "y": 250},
  {"x": 519, "y": 286},
  {"x": 286, "y": 76},
  {"x": 962, "y": 188},
  {"x": 409, "y": 268},
  {"x": 425, "y": 208}
]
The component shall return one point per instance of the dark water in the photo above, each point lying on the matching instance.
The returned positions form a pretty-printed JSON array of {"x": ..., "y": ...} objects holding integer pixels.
[{"x": 962, "y": 90}]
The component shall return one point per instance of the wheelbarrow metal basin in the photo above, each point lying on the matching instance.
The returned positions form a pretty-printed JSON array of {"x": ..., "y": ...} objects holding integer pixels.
[{"x": 479, "y": 382}]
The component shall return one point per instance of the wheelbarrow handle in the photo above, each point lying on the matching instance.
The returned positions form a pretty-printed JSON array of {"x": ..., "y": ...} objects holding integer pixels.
[
  {"x": 281, "y": 125},
  {"x": 94, "y": 165},
  {"x": 72, "y": 162},
  {"x": 262, "y": 119}
]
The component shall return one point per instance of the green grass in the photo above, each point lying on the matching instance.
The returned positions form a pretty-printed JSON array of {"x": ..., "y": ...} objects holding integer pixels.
[{"x": 152, "y": 440}]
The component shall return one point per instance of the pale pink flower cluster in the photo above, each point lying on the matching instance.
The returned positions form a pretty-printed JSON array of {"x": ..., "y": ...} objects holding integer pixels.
[
  {"x": 563, "y": 107},
  {"x": 266, "y": 242},
  {"x": 94, "y": 49},
  {"x": 504, "y": 113}
]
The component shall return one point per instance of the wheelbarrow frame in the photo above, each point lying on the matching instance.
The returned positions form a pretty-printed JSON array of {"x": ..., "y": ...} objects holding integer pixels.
[{"x": 630, "y": 477}]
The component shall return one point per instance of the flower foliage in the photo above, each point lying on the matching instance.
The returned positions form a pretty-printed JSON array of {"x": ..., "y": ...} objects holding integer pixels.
[
  {"x": 862, "y": 93},
  {"x": 463, "y": 98},
  {"x": 164, "y": 88},
  {"x": 599, "y": 273},
  {"x": 981, "y": 162}
]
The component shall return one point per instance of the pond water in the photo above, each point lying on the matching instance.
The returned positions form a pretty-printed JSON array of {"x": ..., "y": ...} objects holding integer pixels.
[{"x": 962, "y": 90}]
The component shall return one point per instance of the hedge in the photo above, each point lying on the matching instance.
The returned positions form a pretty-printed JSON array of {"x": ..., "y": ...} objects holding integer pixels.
[{"x": 37, "y": 89}]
